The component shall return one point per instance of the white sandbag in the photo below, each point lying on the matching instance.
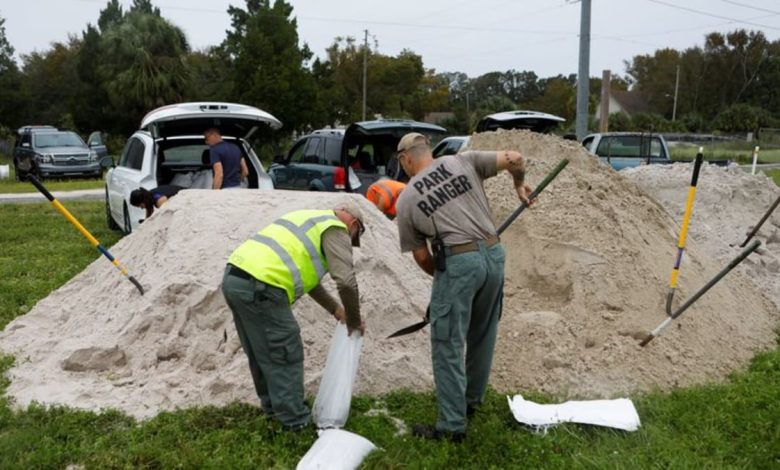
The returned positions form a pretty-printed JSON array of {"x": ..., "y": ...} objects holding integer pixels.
[
  {"x": 336, "y": 450},
  {"x": 331, "y": 407},
  {"x": 619, "y": 413}
]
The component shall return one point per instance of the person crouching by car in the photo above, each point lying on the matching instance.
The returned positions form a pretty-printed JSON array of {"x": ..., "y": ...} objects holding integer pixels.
[
  {"x": 150, "y": 199},
  {"x": 384, "y": 193}
]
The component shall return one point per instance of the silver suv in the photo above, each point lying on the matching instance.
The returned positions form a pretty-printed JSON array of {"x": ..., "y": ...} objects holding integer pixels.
[{"x": 47, "y": 152}]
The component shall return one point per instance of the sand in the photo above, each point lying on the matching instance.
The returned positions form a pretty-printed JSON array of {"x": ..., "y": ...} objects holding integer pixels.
[
  {"x": 587, "y": 270},
  {"x": 728, "y": 203}
]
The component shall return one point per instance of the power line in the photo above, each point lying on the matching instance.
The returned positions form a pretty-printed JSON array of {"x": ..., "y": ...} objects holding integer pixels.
[
  {"x": 671, "y": 5},
  {"x": 365, "y": 22},
  {"x": 750, "y": 6}
]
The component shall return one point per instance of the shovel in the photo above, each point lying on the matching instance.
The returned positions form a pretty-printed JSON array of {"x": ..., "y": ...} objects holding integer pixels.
[
  {"x": 92, "y": 240},
  {"x": 547, "y": 179}
]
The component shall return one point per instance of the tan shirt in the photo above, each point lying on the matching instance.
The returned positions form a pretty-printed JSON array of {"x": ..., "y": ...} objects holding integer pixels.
[
  {"x": 337, "y": 247},
  {"x": 449, "y": 194}
]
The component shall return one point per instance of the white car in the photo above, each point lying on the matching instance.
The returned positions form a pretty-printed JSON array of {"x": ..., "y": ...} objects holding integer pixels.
[{"x": 169, "y": 148}]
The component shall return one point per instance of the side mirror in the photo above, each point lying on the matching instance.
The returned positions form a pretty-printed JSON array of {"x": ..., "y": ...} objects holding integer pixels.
[
  {"x": 26, "y": 145},
  {"x": 280, "y": 160},
  {"x": 107, "y": 162}
]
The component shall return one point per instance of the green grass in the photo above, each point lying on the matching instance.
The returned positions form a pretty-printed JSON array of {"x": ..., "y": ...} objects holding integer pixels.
[
  {"x": 734, "y": 425},
  {"x": 740, "y": 153},
  {"x": 10, "y": 185},
  {"x": 775, "y": 175}
]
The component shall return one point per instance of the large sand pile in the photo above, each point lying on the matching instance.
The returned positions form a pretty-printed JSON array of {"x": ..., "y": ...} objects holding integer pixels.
[
  {"x": 729, "y": 203},
  {"x": 586, "y": 272}
]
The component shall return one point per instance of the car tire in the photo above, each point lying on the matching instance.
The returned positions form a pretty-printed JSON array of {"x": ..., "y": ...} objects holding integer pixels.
[
  {"x": 109, "y": 218},
  {"x": 127, "y": 226}
]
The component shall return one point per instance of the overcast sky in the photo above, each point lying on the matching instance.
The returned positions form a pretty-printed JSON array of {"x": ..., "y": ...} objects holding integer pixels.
[{"x": 472, "y": 36}]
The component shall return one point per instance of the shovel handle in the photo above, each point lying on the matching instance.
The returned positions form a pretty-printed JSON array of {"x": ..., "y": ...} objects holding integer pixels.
[{"x": 547, "y": 180}]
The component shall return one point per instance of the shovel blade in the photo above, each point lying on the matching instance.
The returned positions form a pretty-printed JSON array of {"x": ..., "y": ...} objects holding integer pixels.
[{"x": 409, "y": 329}]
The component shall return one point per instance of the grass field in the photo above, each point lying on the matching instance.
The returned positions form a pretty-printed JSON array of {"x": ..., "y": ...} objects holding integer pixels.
[
  {"x": 10, "y": 185},
  {"x": 731, "y": 425},
  {"x": 738, "y": 152},
  {"x": 775, "y": 175}
]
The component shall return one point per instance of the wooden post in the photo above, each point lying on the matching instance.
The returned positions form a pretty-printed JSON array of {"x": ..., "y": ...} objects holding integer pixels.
[{"x": 605, "y": 86}]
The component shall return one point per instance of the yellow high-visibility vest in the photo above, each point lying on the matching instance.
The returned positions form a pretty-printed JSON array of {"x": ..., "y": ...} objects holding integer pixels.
[{"x": 288, "y": 253}]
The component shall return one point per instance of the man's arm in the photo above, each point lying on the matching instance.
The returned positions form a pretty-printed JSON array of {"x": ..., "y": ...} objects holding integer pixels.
[
  {"x": 424, "y": 259},
  {"x": 514, "y": 163},
  {"x": 218, "y": 175},
  {"x": 244, "y": 170},
  {"x": 338, "y": 251},
  {"x": 321, "y": 296}
]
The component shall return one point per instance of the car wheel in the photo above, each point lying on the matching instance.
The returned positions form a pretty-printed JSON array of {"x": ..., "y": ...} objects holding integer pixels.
[
  {"x": 127, "y": 226},
  {"x": 109, "y": 218}
]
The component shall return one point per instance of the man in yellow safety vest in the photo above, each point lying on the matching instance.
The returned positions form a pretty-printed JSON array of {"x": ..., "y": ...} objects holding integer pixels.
[{"x": 267, "y": 274}]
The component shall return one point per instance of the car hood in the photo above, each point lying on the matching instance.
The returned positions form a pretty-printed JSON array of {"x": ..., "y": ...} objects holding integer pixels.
[
  {"x": 530, "y": 120},
  {"x": 62, "y": 150},
  {"x": 235, "y": 120}
]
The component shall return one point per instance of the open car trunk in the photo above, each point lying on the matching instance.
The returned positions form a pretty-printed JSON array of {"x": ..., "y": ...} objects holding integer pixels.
[{"x": 369, "y": 148}]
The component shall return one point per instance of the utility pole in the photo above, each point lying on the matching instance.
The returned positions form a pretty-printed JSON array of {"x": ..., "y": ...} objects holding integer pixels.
[
  {"x": 583, "y": 75},
  {"x": 365, "y": 69},
  {"x": 676, "y": 87}
]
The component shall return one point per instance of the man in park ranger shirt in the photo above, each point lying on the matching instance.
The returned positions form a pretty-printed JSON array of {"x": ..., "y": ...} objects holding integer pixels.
[{"x": 444, "y": 202}]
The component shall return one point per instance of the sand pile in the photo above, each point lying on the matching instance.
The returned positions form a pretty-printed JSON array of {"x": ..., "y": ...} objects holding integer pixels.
[
  {"x": 97, "y": 343},
  {"x": 729, "y": 202},
  {"x": 587, "y": 271}
]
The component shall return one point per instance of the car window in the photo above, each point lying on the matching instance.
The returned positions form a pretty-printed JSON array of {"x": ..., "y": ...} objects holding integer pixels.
[
  {"x": 57, "y": 139},
  {"x": 133, "y": 155},
  {"x": 296, "y": 153},
  {"x": 629, "y": 146},
  {"x": 311, "y": 152},
  {"x": 95, "y": 139},
  {"x": 193, "y": 154},
  {"x": 453, "y": 147},
  {"x": 586, "y": 143},
  {"x": 332, "y": 151}
]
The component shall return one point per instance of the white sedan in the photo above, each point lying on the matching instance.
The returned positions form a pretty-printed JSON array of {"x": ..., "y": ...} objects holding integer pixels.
[{"x": 169, "y": 148}]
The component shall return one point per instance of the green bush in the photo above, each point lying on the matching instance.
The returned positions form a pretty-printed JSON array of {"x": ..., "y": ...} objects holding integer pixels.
[
  {"x": 620, "y": 122},
  {"x": 742, "y": 117}
]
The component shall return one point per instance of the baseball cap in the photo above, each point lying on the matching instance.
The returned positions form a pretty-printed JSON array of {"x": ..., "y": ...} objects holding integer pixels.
[
  {"x": 410, "y": 140},
  {"x": 352, "y": 208}
]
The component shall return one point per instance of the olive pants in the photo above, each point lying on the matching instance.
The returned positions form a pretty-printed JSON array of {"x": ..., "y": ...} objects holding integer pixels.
[
  {"x": 465, "y": 309},
  {"x": 271, "y": 339}
]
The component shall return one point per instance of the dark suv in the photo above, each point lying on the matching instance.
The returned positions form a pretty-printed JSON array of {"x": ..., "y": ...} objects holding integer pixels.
[
  {"x": 366, "y": 151},
  {"x": 48, "y": 152}
]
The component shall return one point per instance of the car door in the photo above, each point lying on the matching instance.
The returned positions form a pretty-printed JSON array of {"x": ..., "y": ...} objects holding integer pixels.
[
  {"x": 132, "y": 171},
  {"x": 96, "y": 143},
  {"x": 24, "y": 153},
  {"x": 282, "y": 174}
]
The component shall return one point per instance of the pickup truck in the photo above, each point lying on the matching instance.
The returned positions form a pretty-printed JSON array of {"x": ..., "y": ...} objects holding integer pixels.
[{"x": 628, "y": 149}]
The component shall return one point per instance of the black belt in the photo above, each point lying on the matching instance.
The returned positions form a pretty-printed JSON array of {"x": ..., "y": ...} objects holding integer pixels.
[
  {"x": 238, "y": 272},
  {"x": 471, "y": 246}
]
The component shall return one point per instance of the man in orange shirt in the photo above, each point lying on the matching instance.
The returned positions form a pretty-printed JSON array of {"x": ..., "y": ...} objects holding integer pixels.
[{"x": 384, "y": 193}]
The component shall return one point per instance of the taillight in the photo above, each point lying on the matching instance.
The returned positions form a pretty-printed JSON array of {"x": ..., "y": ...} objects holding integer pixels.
[{"x": 339, "y": 178}]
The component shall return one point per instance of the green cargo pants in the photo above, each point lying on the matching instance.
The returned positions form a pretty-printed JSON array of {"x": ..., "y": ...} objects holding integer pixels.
[
  {"x": 271, "y": 339},
  {"x": 465, "y": 309}
]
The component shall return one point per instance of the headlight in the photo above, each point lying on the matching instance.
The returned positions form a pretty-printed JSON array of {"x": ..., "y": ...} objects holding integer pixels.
[
  {"x": 44, "y": 158},
  {"x": 93, "y": 156}
]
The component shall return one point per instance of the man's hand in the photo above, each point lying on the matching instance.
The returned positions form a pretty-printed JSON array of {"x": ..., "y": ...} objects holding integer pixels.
[
  {"x": 361, "y": 329},
  {"x": 524, "y": 193},
  {"x": 340, "y": 314}
]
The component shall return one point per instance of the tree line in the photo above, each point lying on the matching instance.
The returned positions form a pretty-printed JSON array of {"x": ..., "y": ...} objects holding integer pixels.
[{"x": 131, "y": 61}]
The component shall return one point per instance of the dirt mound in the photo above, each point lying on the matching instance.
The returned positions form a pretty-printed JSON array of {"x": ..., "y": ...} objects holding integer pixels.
[
  {"x": 587, "y": 270},
  {"x": 586, "y": 275},
  {"x": 97, "y": 343},
  {"x": 729, "y": 203}
]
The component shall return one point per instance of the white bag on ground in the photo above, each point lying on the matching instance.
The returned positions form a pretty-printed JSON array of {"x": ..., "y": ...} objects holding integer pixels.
[
  {"x": 619, "y": 413},
  {"x": 336, "y": 450},
  {"x": 331, "y": 407}
]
